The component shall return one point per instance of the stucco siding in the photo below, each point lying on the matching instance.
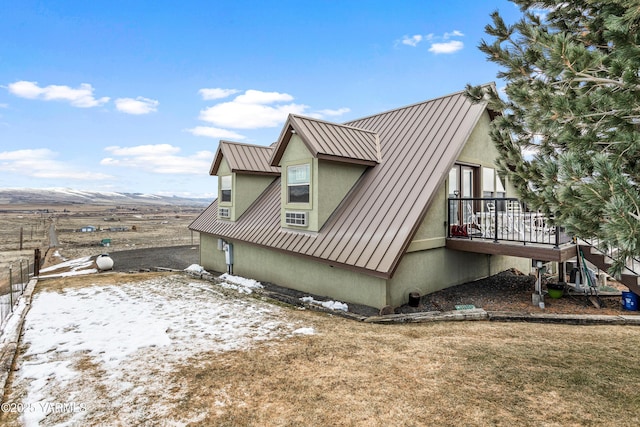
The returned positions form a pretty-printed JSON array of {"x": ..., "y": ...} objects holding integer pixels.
[
  {"x": 432, "y": 270},
  {"x": 432, "y": 230},
  {"x": 247, "y": 189},
  {"x": 296, "y": 273},
  {"x": 479, "y": 148},
  {"x": 334, "y": 182},
  {"x": 210, "y": 257},
  {"x": 330, "y": 182}
]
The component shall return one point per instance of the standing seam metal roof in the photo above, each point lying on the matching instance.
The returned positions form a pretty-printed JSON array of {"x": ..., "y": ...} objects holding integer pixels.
[
  {"x": 244, "y": 158},
  {"x": 373, "y": 226},
  {"x": 330, "y": 141}
]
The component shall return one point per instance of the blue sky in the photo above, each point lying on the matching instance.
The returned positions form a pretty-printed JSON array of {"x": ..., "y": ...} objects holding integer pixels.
[{"x": 134, "y": 96}]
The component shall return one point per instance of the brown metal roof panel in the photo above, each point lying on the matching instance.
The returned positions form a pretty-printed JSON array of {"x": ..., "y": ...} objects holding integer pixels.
[
  {"x": 360, "y": 251},
  {"x": 441, "y": 164},
  {"x": 331, "y": 139},
  {"x": 379, "y": 196},
  {"x": 414, "y": 196},
  {"x": 330, "y": 136},
  {"x": 247, "y": 157}
]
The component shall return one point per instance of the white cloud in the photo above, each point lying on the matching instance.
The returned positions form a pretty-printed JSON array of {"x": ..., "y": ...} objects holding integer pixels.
[
  {"x": 4, "y": 105},
  {"x": 212, "y": 132},
  {"x": 216, "y": 93},
  {"x": 143, "y": 150},
  {"x": 251, "y": 110},
  {"x": 320, "y": 114},
  {"x": 139, "y": 105},
  {"x": 42, "y": 163},
  {"x": 412, "y": 40},
  {"x": 454, "y": 33},
  {"x": 81, "y": 97},
  {"x": 439, "y": 44},
  {"x": 159, "y": 158},
  {"x": 447, "y": 47},
  {"x": 259, "y": 97}
]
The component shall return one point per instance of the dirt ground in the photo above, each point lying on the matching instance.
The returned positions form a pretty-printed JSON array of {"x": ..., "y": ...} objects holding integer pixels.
[{"x": 143, "y": 227}]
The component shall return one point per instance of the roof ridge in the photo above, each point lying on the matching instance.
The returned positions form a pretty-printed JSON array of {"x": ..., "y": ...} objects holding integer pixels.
[
  {"x": 414, "y": 104},
  {"x": 342, "y": 125},
  {"x": 224, "y": 141}
]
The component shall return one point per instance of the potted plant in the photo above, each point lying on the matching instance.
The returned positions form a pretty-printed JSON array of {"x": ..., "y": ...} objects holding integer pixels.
[{"x": 555, "y": 290}]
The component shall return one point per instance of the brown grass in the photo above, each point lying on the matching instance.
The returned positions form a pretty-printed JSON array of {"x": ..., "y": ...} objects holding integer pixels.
[
  {"x": 357, "y": 374},
  {"x": 101, "y": 279},
  {"x": 475, "y": 373}
]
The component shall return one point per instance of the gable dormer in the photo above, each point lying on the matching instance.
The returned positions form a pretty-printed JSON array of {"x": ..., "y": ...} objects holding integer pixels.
[
  {"x": 243, "y": 172},
  {"x": 320, "y": 163}
]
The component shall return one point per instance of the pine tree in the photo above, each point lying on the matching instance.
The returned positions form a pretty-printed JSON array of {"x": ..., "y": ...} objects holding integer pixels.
[{"x": 569, "y": 133}]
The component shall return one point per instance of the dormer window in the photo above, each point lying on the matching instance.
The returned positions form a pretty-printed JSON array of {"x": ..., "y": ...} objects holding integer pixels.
[
  {"x": 298, "y": 183},
  {"x": 225, "y": 188}
]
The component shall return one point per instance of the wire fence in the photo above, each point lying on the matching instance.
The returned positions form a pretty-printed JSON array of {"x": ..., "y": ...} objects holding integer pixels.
[{"x": 13, "y": 282}]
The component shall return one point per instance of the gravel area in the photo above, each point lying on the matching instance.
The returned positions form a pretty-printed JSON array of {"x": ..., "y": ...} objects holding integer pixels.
[
  {"x": 511, "y": 290},
  {"x": 175, "y": 257}
]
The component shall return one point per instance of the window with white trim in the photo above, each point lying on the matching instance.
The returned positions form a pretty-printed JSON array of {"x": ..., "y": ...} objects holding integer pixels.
[
  {"x": 225, "y": 188},
  {"x": 298, "y": 183},
  {"x": 295, "y": 218},
  {"x": 492, "y": 185},
  {"x": 224, "y": 212}
]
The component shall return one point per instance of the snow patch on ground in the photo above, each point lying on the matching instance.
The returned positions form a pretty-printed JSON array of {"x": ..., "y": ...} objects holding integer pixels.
[
  {"x": 240, "y": 284},
  {"x": 331, "y": 305},
  {"x": 228, "y": 281},
  {"x": 110, "y": 350},
  {"x": 74, "y": 267}
]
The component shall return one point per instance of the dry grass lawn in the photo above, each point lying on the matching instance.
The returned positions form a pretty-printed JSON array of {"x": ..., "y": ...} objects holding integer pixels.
[
  {"x": 473, "y": 373},
  {"x": 456, "y": 373}
]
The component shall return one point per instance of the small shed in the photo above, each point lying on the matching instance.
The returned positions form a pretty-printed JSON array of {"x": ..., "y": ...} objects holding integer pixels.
[{"x": 88, "y": 229}]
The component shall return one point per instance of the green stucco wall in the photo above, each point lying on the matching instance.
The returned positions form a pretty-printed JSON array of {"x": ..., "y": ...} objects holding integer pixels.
[
  {"x": 479, "y": 148},
  {"x": 295, "y": 272},
  {"x": 335, "y": 180},
  {"x": 432, "y": 270},
  {"x": 330, "y": 182},
  {"x": 210, "y": 257},
  {"x": 245, "y": 189}
]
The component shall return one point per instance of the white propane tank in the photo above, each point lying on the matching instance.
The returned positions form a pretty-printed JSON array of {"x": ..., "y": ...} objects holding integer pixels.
[{"x": 104, "y": 262}]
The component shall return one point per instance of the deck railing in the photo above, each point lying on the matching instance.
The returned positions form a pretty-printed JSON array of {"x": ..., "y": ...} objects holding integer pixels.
[{"x": 497, "y": 219}]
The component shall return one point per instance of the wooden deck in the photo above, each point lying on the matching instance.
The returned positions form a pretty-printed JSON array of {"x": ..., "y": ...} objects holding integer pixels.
[{"x": 542, "y": 252}]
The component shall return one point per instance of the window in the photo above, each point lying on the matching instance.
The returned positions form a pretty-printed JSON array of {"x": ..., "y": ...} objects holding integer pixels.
[
  {"x": 295, "y": 218},
  {"x": 488, "y": 181},
  {"x": 298, "y": 183},
  {"x": 225, "y": 188},
  {"x": 492, "y": 186},
  {"x": 224, "y": 212}
]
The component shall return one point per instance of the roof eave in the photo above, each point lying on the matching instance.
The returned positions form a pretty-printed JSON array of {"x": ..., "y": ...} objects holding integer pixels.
[
  {"x": 215, "y": 165},
  {"x": 347, "y": 160}
]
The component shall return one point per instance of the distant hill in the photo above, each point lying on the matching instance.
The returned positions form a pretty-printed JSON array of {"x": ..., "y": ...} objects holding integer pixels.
[{"x": 66, "y": 196}]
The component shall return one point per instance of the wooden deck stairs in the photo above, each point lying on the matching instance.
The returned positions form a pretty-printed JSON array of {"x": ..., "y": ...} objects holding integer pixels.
[{"x": 631, "y": 277}]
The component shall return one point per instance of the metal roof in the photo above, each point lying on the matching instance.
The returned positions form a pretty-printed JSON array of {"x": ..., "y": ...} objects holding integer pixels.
[
  {"x": 245, "y": 158},
  {"x": 373, "y": 226},
  {"x": 330, "y": 141}
]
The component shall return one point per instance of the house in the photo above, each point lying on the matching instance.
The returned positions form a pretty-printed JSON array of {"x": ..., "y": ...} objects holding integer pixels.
[
  {"x": 88, "y": 229},
  {"x": 360, "y": 211}
]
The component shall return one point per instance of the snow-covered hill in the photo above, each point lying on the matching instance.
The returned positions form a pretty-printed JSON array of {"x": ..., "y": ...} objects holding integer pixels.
[{"x": 70, "y": 196}]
